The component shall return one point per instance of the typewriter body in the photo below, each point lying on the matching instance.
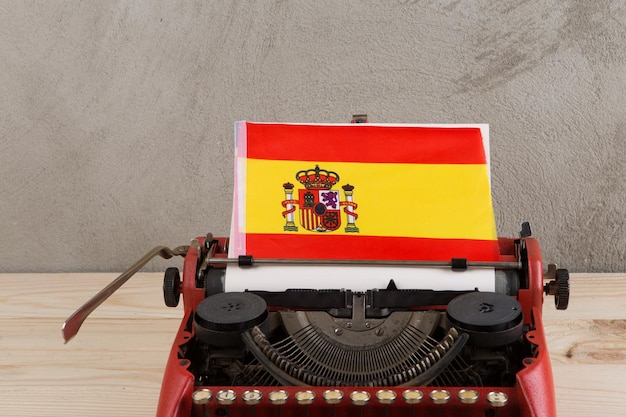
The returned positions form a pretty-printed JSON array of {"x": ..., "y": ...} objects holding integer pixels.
[
  {"x": 393, "y": 351},
  {"x": 390, "y": 352}
]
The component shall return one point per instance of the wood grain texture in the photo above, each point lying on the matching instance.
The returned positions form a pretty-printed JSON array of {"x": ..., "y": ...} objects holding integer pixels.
[
  {"x": 115, "y": 364},
  {"x": 587, "y": 344}
]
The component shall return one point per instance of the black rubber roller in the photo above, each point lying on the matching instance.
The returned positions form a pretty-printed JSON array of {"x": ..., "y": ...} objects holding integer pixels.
[
  {"x": 490, "y": 319},
  {"x": 221, "y": 318}
]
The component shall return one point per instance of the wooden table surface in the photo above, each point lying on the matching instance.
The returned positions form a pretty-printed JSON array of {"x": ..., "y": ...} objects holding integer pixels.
[{"x": 115, "y": 364}]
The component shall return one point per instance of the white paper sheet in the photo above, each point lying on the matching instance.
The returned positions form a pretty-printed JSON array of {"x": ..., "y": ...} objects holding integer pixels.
[{"x": 355, "y": 278}]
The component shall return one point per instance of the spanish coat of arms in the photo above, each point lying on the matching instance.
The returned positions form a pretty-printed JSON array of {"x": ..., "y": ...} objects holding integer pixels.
[{"x": 320, "y": 205}]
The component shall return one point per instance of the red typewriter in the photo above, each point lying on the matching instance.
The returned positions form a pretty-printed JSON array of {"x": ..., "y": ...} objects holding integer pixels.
[{"x": 393, "y": 351}]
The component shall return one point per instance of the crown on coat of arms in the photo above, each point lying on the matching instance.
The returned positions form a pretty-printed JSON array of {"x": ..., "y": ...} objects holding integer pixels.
[{"x": 317, "y": 178}]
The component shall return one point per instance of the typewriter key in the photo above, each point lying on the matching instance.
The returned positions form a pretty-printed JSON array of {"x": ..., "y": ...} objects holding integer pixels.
[
  {"x": 412, "y": 396},
  {"x": 468, "y": 396},
  {"x": 305, "y": 397},
  {"x": 332, "y": 396},
  {"x": 386, "y": 396},
  {"x": 440, "y": 396},
  {"x": 226, "y": 396},
  {"x": 252, "y": 397},
  {"x": 202, "y": 396},
  {"x": 497, "y": 399},
  {"x": 360, "y": 397},
  {"x": 278, "y": 397}
]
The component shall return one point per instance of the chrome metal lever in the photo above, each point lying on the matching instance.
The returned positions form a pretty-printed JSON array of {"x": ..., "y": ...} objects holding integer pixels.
[{"x": 72, "y": 323}]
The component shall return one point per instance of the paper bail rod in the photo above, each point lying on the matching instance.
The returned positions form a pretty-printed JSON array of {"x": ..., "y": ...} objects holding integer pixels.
[{"x": 457, "y": 264}]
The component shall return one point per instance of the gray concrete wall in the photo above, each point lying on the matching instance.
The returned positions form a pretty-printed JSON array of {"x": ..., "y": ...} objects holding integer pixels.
[{"x": 116, "y": 117}]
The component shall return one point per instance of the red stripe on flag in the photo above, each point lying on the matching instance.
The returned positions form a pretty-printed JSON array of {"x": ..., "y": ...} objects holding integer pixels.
[
  {"x": 326, "y": 246},
  {"x": 363, "y": 143}
]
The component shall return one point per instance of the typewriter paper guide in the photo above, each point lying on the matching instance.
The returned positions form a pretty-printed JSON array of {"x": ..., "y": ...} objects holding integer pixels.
[{"x": 362, "y": 191}]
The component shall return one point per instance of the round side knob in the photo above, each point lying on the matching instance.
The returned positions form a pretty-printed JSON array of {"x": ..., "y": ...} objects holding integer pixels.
[
  {"x": 171, "y": 287},
  {"x": 558, "y": 286},
  {"x": 561, "y": 299}
]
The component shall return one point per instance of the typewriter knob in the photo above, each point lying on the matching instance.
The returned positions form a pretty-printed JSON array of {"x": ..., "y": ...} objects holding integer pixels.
[
  {"x": 558, "y": 286},
  {"x": 561, "y": 299},
  {"x": 171, "y": 287}
]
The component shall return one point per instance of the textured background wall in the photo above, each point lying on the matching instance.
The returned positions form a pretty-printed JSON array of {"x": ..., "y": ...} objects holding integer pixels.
[{"x": 116, "y": 117}]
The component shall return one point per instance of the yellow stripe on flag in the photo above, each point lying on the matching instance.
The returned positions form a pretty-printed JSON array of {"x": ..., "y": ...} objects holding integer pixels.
[{"x": 446, "y": 201}]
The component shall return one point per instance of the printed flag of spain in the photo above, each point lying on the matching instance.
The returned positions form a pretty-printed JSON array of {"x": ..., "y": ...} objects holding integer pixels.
[{"x": 362, "y": 191}]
